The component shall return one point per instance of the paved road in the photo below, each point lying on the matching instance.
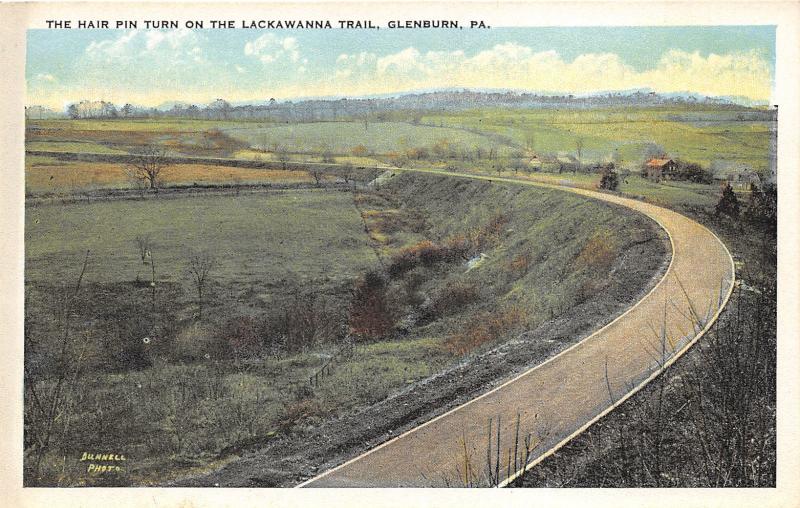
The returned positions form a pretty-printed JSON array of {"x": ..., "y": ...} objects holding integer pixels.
[{"x": 560, "y": 398}]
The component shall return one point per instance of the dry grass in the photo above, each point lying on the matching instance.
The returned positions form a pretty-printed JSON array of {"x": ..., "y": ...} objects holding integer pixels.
[
  {"x": 484, "y": 328},
  {"x": 599, "y": 252},
  {"x": 62, "y": 177}
]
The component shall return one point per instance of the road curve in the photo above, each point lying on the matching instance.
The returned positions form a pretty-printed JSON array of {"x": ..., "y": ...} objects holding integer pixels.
[{"x": 561, "y": 397}]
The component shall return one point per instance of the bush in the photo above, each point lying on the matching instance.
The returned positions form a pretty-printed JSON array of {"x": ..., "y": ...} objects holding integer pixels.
[
  {"x": 370, "y": 314},
  {"x": 728, "y": 203},
  {"x": 763, "y": 208},
  {"x": 454, "y": 297},
  {"x": 484, "y": 328},
  {"x": 598, "y": 253},
  {"x": 426, "y": 253},
  {"x": 359, "y": 151},
  {"x": 300, "y": 322},
  {"x": 199, "y": 341},
  {"x": 520, "y": 265},
  {"x": 244, "y": 336},
  {"x": 609, "y": 180},
  {"x": 693, "y": 173}
]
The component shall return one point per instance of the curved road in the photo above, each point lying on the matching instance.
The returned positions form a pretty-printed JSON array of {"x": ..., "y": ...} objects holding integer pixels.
[{"x": 561, "y": 397}]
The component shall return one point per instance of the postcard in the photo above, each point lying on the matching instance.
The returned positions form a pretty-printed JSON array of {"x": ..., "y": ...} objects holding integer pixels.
[{"x": 482, "y": 252}]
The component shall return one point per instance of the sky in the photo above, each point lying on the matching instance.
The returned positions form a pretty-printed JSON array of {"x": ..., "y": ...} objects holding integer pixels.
[{"x": 152, "y": 67}]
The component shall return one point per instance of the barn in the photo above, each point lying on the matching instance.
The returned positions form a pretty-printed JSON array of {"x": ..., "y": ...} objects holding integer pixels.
[{"x": 658, "y": 169}]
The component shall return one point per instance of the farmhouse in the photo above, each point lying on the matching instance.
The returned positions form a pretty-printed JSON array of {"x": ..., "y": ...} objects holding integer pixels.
[
  {"x": 739, "y": 177},
  {"x": 656, "y": 169}
]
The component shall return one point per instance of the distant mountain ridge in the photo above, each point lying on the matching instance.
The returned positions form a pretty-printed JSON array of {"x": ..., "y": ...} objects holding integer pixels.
[{"x": 456, "y": 99}]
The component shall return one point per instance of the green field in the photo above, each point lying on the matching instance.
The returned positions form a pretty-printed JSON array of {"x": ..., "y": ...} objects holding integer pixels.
[
  {"x": 264, "y": 239},
  {"x": 705, "y": 135},
  {"x": 701, "y": 136},
  {"x": 342, "y": 137}
]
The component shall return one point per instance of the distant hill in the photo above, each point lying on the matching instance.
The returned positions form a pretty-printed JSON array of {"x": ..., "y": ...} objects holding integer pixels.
[{"x": 322, "y": 109}]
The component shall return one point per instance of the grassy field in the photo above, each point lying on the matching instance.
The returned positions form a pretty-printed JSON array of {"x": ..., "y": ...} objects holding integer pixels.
[
  {"x": 343, "y": 137},
  {"x": 195, "y": 137},
  {"x": 264, "y": 238},
  {"x": 71, "y": 146},
  {"x": 696, "y": 135},
  {"x": 703, "y": 135}
]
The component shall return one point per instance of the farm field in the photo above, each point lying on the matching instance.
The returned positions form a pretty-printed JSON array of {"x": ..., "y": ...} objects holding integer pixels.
[
  {"x": 466, "y": 141},
  {"x": 49, "y": 175},
  {"x": 343, "y": 137},
  {"x": 697, "y": 136}
]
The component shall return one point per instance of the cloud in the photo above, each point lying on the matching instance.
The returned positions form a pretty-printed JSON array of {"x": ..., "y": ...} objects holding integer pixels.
[
  {"x": 155, "y": 66},
  {"x": 172, "y": 47},
  {"x": 113, "y": 48},
  {"x": 270, "y": 48},
  {"x": 515, "y": 66}
]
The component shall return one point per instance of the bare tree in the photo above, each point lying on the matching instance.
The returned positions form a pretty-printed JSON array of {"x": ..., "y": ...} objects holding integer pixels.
[
  {"x": 578, "y": 152},
  {"x": 200, "y": 266},
  {"x": 347, "y": 173},
  {"x": 530, "y": 140},
  {"x": 283, "y": 155},
  {"x": 327, "y": 154},
  {"x": 51, "y": 404},
  {"x": 317, "y": 173},
  {"x": 147, "y": 165}
]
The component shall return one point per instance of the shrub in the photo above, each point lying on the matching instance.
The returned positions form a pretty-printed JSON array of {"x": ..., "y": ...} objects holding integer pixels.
[
  {"x": 417, "y": 153},
  {"x": 370, "y": 314},
  {"x": 609, "y": 180},
  {"x": 198, "y": 342},
  {"x": 359, "y": 150},
  {"x": 693, "y": 172},
  {"x": 763, "y": 208},
  {"x": 452, "y": 298},
  {"x": 598, "y": 253},
  {"x": 728, "y": 203},
  {"x": 298, "y": 410},
  {"x": 454, "y": 248},
  {"x": 520, "y": 265},
  {"x": 425, "y": 253},
  {"x": 300, "y": 322},
  {"x": 484, "y": 328},
  {"x": 243, "y": 334}
]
